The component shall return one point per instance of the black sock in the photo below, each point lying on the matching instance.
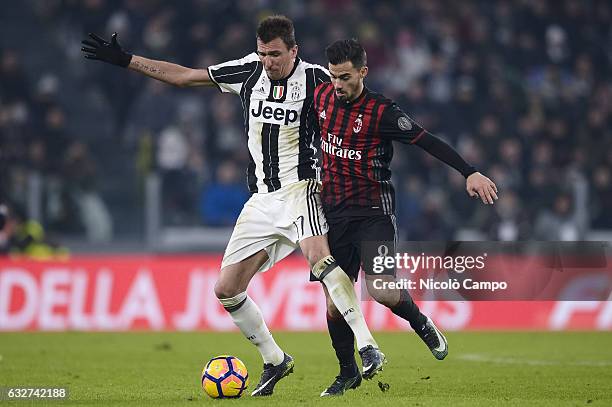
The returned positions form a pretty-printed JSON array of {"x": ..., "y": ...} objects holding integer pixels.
[
  {"x": 343, "y": 342},
  {"x": 409, "y": 311}
]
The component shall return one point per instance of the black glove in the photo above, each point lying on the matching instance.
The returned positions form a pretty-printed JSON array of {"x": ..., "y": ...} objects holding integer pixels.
[{"x": 103, "y": 51}]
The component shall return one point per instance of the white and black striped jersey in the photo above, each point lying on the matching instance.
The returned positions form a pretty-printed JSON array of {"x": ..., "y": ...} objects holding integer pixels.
[{"x": 279, "y": 119}]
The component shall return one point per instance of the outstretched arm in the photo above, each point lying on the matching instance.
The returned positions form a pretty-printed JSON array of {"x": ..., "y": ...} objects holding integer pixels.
[
  {"x": 398, "y": 126},
  {"x": 477, "y": 185},
  {"x": 168, "y": 72},
  {"x": 111, "y": 52}
]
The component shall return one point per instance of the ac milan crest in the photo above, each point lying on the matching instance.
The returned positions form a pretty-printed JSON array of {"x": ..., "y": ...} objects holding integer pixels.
[{"x": 358, "y": 124}]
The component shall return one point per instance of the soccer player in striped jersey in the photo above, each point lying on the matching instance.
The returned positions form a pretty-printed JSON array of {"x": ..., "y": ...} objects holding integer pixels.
[
  {"x": 357, "y": 129},
  {"x": 276, "y": 89}
]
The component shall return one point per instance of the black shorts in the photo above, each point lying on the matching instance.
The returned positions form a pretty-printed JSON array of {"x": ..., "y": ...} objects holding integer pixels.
[{"x": 346, "y": 235}]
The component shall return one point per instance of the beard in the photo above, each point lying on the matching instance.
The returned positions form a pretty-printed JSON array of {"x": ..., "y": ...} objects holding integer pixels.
[{"x": 342, "y": 96}]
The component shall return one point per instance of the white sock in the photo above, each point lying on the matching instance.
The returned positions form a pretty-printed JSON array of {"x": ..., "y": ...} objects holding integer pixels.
[
  {"x": 248, "y": 318},
  {"x": 343, "y": 295}
]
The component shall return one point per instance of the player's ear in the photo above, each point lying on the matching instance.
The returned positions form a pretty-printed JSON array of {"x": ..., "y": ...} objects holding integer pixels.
[
  {"x": 293, "y": 51},
  {"x": 363, "y": 72}
]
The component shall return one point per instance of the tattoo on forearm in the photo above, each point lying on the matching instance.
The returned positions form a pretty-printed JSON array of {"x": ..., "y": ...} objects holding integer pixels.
[{"x": 148, "y": 68}]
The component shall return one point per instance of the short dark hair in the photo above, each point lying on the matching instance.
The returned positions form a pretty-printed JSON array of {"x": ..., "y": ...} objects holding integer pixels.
[
  {"x": 346, "y": 50},
  {"x": 277, "y": 27}
]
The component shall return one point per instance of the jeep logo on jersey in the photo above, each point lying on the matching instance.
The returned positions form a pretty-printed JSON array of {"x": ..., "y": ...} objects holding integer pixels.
[
  {"x": 358, "y": 123},
  {"x": 275, "y": 113},
  {"x": 278, "y": 92}
]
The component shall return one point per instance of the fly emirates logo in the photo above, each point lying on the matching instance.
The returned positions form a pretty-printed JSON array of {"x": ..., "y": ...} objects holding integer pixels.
[{"x": 333, "y": 146}]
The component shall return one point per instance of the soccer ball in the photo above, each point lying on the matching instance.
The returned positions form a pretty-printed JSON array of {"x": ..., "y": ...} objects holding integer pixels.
[{"x": 225, "y": 377}]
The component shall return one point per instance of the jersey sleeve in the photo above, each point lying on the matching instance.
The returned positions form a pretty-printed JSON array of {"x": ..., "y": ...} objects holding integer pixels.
[
  {"x": 229, "y": 76},
  {"x": 317, "y": 93},
  {"x": 398, "y": 126},
  {"x": 321, "y": 75}
]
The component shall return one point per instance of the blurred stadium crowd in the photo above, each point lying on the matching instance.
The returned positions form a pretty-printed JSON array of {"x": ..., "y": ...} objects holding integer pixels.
[{"x": 522, "y": 88}]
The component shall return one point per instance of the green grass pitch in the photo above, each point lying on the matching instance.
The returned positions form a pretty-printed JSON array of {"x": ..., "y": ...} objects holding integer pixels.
[{"x": 163, "y": 369}]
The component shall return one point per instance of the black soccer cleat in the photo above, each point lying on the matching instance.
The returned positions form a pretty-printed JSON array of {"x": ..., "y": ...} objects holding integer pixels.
[
  {"x": 271, "y": 375},
  {"x": 433, "y": 338},
  {"x": 342, "y": 384},
  {"x": 372, "y": 360}
]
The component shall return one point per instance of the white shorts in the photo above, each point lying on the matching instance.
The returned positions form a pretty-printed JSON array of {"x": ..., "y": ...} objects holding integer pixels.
[{"x": 277, "y": 222}]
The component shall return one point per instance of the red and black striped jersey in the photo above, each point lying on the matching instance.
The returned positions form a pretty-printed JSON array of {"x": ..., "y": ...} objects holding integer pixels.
[{"x": 356, "y": 145}]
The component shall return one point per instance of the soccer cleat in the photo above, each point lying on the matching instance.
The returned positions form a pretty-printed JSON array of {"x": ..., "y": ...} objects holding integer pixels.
[
  {"x": 342, "y": 384},
  {"x": 372, "y": 360},
  {"x": 271, "y": 375},
  {"x": 433, "y": 338}
]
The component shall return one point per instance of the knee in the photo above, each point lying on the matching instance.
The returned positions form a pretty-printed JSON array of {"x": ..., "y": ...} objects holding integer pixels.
[
  {"x": 314, "y": 249},
  {"x": 313, "y": 257},
  {"x": 388, "y": 298},
  {"x": 225, "y": 290}
]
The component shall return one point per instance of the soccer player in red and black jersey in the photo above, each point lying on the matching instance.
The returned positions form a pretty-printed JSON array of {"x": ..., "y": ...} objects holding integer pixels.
[{"x": 357, "y": 129}]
